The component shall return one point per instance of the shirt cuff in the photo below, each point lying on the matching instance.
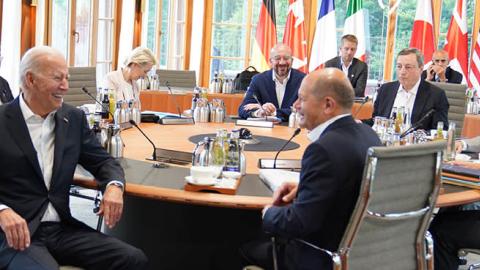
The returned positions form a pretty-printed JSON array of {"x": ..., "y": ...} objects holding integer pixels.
[
  {"x": 3, "y": 207},
  {"x": 464, "y": 145},
  {"x": 116, "y": 183}
]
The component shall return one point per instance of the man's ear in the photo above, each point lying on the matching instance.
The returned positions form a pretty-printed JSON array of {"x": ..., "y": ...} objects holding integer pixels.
[
  {"x": 330, "y": 104},
  {"x": 29, "y": 78}
]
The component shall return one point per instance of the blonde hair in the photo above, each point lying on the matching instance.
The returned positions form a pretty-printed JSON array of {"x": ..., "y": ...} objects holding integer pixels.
[{"x": 141, "y": 56}]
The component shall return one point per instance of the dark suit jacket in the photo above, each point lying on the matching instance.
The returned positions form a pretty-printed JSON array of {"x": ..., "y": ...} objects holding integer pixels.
[
  {"x": 22, "y": 187},
  {"x": 263, "y": 86},
  {"x": 452, "y": 76},
  {"x": 428, "y": 97},
  {"x": 357, "y": 74},
  {"x": 332, "y": 169},
  {"x": 5, "y": 92}
]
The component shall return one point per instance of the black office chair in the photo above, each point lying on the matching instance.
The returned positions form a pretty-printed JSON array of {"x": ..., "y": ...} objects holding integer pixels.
[{"x": 388, "y": 227}]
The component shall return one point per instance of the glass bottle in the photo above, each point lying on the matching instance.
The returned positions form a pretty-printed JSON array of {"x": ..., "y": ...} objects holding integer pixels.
[
  {"x": 105, "y": 106},
  {"x": 399, "y": 120},
  {"x": 450, "y": 154},
  {"x": 439, "y": 135},
  {"x": 233, "y": 156}
]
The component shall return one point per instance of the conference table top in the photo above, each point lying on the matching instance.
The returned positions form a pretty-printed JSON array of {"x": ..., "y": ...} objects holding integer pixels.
[{"x": 166, "y": 184}]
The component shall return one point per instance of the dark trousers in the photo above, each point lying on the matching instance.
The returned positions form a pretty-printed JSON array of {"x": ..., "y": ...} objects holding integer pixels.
[
  {"x": 55, "y": 244},
  {"x": 260, "y": 253},
  {"x": 452, "y": 231}
]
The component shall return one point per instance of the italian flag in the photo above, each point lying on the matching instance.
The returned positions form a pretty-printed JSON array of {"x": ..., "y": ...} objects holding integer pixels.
[{"x": 355, "y": 25}]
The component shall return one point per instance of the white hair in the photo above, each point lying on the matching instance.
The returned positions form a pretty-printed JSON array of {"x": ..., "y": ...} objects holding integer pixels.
[{"x": 32, "y": 61}]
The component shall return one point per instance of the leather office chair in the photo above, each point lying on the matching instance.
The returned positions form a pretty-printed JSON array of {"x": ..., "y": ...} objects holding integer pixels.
[
  {"x": 80, "y": 77},
  {"x": 177, "y": 79},
  {"x": 462, "y": 254},
  {"x": 388, "y": 227},
  {"x": 456, "y": 98}
]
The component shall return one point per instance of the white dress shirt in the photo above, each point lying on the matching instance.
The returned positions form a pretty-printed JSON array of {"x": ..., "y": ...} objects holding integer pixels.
[
  {"x": 406, "y": 98},
  {"x": 123, "y": 90},
  {"x": 345, "y": 68},
  {"x": 315, "y": 133},
  {"x": 280, "y": 87}
]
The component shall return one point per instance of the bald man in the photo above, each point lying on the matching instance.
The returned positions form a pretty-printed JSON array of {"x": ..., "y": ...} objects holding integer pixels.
[
  {"x": 319, "y": 208},
  {"x": 276, "y": 89},
  {"x": 439, "y": 71}
]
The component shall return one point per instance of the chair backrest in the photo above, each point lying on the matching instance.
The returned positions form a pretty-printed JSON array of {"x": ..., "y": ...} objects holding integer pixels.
[
  {"x": 178, "y": 79},
  {"x": 456, "y": 98},
  {"x": 397, "y": 196},
  {"x": 80, "y": 77}
]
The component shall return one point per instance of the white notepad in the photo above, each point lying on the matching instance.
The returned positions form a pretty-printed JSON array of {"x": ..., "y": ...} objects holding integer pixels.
[{"x": 274, "y": 178}]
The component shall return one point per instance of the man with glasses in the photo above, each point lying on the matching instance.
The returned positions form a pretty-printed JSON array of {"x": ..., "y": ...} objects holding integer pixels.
[
  {"x": 439, "y": 71},
  {"x": 274, "y": 91},
  {"x": 412, "y": 93},
  {"x": 354, "y": 69},
  {"x": 43, "y": 140}
]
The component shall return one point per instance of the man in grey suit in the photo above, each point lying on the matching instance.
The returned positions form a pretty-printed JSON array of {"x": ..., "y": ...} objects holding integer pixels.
[
  {"x": 353, "y": 68},
  {"x": 456, "y": 227}
]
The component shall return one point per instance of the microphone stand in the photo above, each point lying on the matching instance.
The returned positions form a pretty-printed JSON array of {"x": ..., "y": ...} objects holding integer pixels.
[
  {"x": 295, "y": 133},
  {"x": 167, "y": 84},
  {"x": 417, "y": 124},
  {"x": 154, "y": 155},
  {"x": 259, "y": 104},
  {"x": 360, "y": 107},
  {"x": 85, "y": 90}
]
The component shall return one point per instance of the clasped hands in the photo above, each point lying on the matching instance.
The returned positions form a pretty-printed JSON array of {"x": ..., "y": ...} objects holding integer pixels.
[
  {"x": 284, "y": 195},
  {"x": 267, "y": 109},
  {"x": 16, "y": 228},
  {"x": 436, "y": 69}
]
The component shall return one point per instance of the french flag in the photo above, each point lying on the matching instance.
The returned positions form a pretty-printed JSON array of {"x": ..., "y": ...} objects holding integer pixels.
[
  {"x": 324, "y": 45},
  {"x": 422, "y": 33}
]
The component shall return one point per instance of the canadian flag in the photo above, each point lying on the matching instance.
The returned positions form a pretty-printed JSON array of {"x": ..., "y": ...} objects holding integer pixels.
[
  {"x": 422, "y": 33},
  {"x": 294, "y": 35},
  {"x": 457, "y": 40}
]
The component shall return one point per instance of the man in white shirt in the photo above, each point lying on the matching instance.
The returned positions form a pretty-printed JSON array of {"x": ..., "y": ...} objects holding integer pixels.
[
  {"x": 412, "y": 93},
  {"x": 43, "y": 140}
]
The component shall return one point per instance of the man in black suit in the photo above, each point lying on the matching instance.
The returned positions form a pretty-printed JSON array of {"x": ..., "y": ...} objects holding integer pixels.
[
  {"x": 412, "y": 93},
  {"x": 43, "y": 139},
  {"x": 356, "y": 70},
  {"x": 276, "y": 89},
  {"x": 319, "y": 208},
  {"x": 5, "y": 92},
  {"x": 439, "y": 71}
]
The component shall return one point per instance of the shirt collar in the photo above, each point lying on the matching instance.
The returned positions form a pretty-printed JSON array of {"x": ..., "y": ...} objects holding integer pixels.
[
  {"x": 28, "y": 113},
  {"x": 412, "y": 91},
  {"x": 274, "y": 78},
  {"x": 341, "y": 62},
  {"x": 315, "y": 133}
]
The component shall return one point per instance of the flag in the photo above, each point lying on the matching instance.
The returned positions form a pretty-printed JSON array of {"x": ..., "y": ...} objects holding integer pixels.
[
  {"x": 474, "y": 75},
  {"x": 294, "y": 35},
  {"x": 422, "y": 33},
  {"x": 355, "y": 25},
  {"x": 457, "y": 41},
  {"x": 324, "y": 45},
  {"x": 265, "y": 37}
]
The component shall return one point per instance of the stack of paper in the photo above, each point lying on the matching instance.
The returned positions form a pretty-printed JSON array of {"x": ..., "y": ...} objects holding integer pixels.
[{"x": 274, "y": 178}]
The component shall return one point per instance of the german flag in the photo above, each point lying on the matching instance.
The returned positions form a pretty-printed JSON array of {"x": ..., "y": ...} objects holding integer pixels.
[{"x": 265, "y": 37}]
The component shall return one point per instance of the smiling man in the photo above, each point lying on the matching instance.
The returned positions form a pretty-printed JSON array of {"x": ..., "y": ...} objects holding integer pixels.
[
  {"x": 275, "y": 89},
  {"x": 354, "y": 69},
  {"x": 43, "y": 140}
]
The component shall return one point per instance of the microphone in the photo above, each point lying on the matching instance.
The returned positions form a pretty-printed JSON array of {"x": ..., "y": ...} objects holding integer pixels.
[
  {"x": 417, "y": 124},
  {"x": 259, "y": 104},
  {"x": 167, "y": 84},
  {"x": 295, "y": 133},
  {"x": 154, "y": 155},
  {"x": 365, "y": 100},
  {"x": 85, "y": 90}
]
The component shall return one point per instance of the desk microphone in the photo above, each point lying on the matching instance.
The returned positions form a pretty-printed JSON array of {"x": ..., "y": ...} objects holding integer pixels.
[
  {"x": 167, "y": 84},
  {"x": 85, "y": 90},
  {"x": 295, "y": 133},
  {"x": 365, "y": 100},
  {"x": 259, "y": 104},
  {"x": 154, "y": 155},
  {"x": 417, "y": 124}
]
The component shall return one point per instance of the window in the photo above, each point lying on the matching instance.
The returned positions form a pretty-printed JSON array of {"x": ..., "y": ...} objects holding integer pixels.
[
  {"x": 164, "y": 31},
  {"x": 105, "y": 37}
]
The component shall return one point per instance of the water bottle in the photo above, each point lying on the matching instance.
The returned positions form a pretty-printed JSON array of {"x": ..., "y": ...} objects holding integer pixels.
[
  {"x": 232, "y": 163},
  {"x": 292, "y": 119},
  {"x": 450, "y": 154}
]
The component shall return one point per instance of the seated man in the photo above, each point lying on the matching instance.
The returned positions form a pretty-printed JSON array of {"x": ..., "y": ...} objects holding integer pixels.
[
  {"x": 439, "y": 71},
  {"x": 454, "y": 228},
  {"x": 43, "y": 139},
  {"x": 355, "y": 70},
  {"x": 411, "y": 92},
  {"x": 276, "y": 89},
  {"x": 319, "y": 208}
]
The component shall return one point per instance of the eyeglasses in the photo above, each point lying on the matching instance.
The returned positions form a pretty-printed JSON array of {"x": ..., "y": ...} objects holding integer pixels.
[
  {"x": 440, "y": 60},
  {"x": 279, "y": 57},
  {"x": 406, "y": 67}
]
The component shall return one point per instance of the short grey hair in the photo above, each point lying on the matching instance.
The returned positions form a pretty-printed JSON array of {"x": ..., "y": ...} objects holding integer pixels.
[
  {"x": 417, "y": 52},
  {"x": 32, "y": 61},
  {"x": 141, "y": 56}
]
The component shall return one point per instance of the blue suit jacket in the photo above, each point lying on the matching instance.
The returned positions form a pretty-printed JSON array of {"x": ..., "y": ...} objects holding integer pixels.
[
  {"x": 332, "y": 170},
  {"x": 428, "y": 97},
  {"x": 263, "y": 87}
]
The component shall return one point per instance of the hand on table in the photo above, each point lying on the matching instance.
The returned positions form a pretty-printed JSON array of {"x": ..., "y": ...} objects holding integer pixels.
[
  {"x": 268, "y": 109},
  {"x": 15, "y": 229},
  {"x": 112, "y": 205},
  {"x": 458, "y": 146},
  {"x": 285, "y": 194}
]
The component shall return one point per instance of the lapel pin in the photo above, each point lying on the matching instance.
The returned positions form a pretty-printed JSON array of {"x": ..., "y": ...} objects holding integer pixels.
[{"x": 65, "y": 120}]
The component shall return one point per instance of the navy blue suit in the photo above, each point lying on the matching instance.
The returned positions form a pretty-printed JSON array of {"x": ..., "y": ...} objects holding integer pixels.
[
  {"x": 5, "y": 92},
  {"x": 263, "y": 87},
  {"x": 452, "y": 75},
  {"x": 428, "y": 97},
  {"x": 332, "y": 169},
  {"x": 22, "y": 188}
]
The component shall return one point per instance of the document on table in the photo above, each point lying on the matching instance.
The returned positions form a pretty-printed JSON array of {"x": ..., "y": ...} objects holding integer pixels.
[{"x": 274, "y": 178}]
